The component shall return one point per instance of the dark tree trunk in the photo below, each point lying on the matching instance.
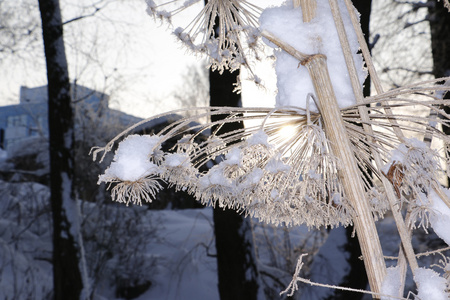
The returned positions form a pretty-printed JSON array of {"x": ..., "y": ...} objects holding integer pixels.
[
  {"x": 237, "y": 271},
  {"x": 365, "y": 7},
  {"x": 66, "y": 272},
  {"x": 439, "y": 18},
  {"x": 356, "y": 277}
]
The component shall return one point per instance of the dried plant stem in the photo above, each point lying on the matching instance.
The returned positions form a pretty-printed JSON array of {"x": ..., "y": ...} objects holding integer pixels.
[
  {"x": 370, "y": 66},
  {"x": 374, "y": 294},
  {"x": 308, "y": 9},
  {"x": 402, "y": 264},
  {"x": 297, "y": 3},
  {"x": 354, "y": 188},
  {"x": 433, "y": 252},
  {"x": 302, "y": 57},
  {"x": 357, "y": 90},
  {"x": 336, "y": 133},
  {"x": 364, "y": 48},
  {"x": 427, "y": 253},
  {"x": 349, "y": 175}
]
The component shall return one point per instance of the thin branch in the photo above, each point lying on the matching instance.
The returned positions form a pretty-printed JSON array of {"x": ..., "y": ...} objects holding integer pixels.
[
  {"x": 307, "y": 281},
  {"x": 97, "y": 9},
  {"x": 82, "y": 16},
  {"x": 388, "y": 69},
  {"x": 408, "y": 24}
]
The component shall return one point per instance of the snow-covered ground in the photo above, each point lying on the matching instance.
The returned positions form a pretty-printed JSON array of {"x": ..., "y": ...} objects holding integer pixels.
[
  {"x": 178, "y": 246},
  {"x": 184, "y": 270},
  {"x": 174, "y": 249}
]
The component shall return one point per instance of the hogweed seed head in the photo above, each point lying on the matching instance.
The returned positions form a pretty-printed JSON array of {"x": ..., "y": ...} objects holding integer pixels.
[
  {"x": 136, "y": 191},
  {"x": 292, "y": 179}
]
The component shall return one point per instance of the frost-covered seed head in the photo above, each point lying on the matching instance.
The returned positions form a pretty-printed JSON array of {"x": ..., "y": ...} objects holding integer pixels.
[{"x": 225, "y": 30}]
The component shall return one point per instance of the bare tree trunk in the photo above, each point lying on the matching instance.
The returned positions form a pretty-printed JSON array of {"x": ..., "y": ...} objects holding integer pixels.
[
  {"x": 66, "y": 272},
  {"x": 439, "y": 18},
  {"x": 237, "y": 271}
]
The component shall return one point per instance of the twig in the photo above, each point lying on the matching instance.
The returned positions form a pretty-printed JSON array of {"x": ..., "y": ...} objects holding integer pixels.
[{"x": 336, "y": 287}]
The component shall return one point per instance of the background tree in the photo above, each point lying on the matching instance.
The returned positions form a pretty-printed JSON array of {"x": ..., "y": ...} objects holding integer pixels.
[
  {"x": 194, "y": 91},
  {"x": 236, "y": 266},
  {"x": 439, "y": 19},
  {"x": 237, "y": 271},
  {"x": 67, "y": 278},
  {"x": 19, "y": 28}
]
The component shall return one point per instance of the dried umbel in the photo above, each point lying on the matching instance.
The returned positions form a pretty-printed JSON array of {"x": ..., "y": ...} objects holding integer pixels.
[
  {"x": 225, "y": 30},
  {"x": 340, "y": 164},
  {"x": 292, "y": 179}
]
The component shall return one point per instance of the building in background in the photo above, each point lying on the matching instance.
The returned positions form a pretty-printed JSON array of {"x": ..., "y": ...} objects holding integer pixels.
[{"x": 29, "y": 118}]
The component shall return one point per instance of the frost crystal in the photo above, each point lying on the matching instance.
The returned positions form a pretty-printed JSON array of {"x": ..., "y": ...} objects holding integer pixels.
[{"x": 224, "y": 30}]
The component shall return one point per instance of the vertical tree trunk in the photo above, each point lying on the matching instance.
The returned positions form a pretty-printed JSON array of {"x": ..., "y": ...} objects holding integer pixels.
[
  {"x": 66, "y": 272},
  {"x": 237, "y": 271},
  {"x": 439, "y": 18}
]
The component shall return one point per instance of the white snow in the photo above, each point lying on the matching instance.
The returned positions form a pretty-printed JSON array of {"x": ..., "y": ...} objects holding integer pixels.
[
  {"x": 233, "y": 157},
  {"x": 177, "y": 159},
  {"x": 277, "y": 165},
  {"x": 431, "y": 285},
  {"x": 397, "y": 156},
  {"x": 214, "y": 177},
  {"x": 178, "y": 245},
  {"x": 318, "y": 36},
  {"x": 252, "y": 178},
  {"x": 258, "y": 138},
  {"x": 440, "y": 217},
  {"x": 184, "y": 269},
  {"x": 391, "y": 283},
  {"x": 132, "y": 159},
  {"x": 183, "y": 237}
]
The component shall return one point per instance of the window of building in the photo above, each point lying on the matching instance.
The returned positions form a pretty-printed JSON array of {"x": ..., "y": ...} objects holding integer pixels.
[{"x": 17, "y": 121}]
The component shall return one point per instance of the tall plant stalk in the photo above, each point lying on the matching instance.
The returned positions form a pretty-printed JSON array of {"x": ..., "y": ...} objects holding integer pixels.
[
  {"x": 406, "y": 248},
  {"x": 339, "y": 140}
]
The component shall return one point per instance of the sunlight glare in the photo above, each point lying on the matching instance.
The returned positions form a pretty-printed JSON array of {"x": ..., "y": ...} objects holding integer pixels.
[{"x": 287, "y": 132}]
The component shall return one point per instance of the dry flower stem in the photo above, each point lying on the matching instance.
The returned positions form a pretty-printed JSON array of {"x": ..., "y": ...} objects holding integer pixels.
[
  {"x": 302, "y": 57},
  {"x": 441, "y": 194},
  {"x": 370, "y": 66},
  {"x": 402, "y": 264},
  {"x": 349, "y": 175},
  {"x": 393, "y": 201},
  {"x": 308, "y": 9}
]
